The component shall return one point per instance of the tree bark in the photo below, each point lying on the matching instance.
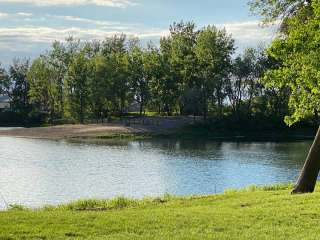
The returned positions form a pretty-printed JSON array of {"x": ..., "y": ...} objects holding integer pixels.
[
  {"x": 309, "y": 174},
  {"x": 205, "y": 106},
  {"x": 81, "y": 109},
  {"x": 316, "y": 117}
]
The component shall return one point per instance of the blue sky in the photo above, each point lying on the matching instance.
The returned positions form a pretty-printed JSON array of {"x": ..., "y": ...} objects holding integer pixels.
[{"x": 28, "y": 27}]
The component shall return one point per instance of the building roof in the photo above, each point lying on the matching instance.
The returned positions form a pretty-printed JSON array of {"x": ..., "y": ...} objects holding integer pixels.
[{"x": 4, "y": 99}]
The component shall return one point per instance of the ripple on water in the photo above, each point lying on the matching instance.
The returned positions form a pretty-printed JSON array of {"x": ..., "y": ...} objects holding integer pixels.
[{"x": 38, "y": 172}]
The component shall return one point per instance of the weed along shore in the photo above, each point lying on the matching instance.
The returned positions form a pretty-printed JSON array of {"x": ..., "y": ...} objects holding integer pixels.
[{"x": 267, "y": 212}]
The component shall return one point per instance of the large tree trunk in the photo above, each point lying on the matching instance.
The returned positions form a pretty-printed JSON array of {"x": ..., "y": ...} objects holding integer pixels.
[{"x": 309, "y": 174}]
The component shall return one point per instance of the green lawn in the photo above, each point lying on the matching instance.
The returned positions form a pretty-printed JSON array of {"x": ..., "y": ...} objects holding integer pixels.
[{"x": 269, "y": 213}]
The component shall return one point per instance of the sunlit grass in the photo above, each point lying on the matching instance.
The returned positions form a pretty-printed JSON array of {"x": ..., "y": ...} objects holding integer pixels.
[{"x": 269, "y": 212}]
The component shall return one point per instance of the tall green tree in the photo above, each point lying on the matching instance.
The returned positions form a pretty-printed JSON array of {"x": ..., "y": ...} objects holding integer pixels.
[
  {"x": 4, "y": 81},
  {"x": 114, "y": 44},
  {"x": 120, "y": 81},
  {"x": 178, "y": 48},
  {"x": 156, "y": 71},
  {"x": 139, "y": 77},
  {"x": 19, "y": 86},
  {"x": 116, "y": 53},
  {"x": 101, "y": 94},
  {"x": 270, "y": 102},
  {"x": 213, "y": 50},
  {"x": 299, "y": 55},
  {"x": 243, "y": 84},
  {"x": 165, "y": 85},
  {"x": 59, "y": 60},
  {"x": 77, "y": 84},
  {"x": 45, "y": 87}
]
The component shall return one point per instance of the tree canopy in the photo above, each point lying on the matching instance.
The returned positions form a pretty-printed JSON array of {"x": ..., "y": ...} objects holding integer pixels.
[
  {"x": 299, "y": 55},
  {"x": 194, "y": 71},
  {"x": 272, "y": 11}
]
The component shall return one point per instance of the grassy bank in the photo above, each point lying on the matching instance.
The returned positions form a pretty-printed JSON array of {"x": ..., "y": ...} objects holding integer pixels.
[{"x": 254, "y": 213}]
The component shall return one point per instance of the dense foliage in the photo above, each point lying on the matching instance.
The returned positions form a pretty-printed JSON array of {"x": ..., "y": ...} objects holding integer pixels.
[
  {"x": 192, "y": 72},
  {"x": 296, "y": 50},
  {"x": 282, "y": 11},
  {"x": 299, "y": 54}
]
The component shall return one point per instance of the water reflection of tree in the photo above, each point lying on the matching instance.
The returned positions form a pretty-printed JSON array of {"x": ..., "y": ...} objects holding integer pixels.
[
  {"x": 288, "y": 155},
  {"x": 199, "y": 148}
]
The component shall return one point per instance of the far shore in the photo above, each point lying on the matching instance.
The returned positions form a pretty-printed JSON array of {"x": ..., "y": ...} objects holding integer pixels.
[
  {"x": 143, "y": 127},
  {"x": 146, "y": 128},
  {"x": 69, "y": 131}
]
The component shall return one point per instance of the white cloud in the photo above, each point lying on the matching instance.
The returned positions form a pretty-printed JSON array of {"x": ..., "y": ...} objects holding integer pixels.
[
  {"x": 13, "y": 15},
  {"x": 245, "y": 33},
  {"x": 3, "y": 15},
  {"x": 31, "y": 40},
  {"x": 82, "y": 20},
  {"x": 107, "y": 3},
  {"x": 249, "y": 33},
  {"x": 47, "y": 35},
  {"x": 24, "y": 14}
]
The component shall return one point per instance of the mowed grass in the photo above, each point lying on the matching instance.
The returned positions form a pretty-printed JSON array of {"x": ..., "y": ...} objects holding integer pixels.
[{"x": 253, "y": 213}]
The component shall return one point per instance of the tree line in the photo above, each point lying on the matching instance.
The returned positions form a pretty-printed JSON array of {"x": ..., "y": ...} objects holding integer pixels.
[{"x": 192, "y": 72}]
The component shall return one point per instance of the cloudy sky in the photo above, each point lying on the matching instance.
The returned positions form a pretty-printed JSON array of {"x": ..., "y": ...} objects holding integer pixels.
[{"x": 27, "y": 27}]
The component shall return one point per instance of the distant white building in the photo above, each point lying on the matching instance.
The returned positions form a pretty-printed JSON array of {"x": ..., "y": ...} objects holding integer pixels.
[{"x": 4, "y": 102}]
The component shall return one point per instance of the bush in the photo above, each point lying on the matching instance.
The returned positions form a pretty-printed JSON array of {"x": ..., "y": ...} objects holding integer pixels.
[
  {"x": 12, "y": 118},
  {"x": 62, "y": 121},
  {"x": 9, "y": 118}
]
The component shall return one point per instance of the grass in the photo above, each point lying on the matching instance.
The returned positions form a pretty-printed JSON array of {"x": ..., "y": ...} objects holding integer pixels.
[
  {"x": 252, "y": 213},
  {"x": 146, "y": 114}
]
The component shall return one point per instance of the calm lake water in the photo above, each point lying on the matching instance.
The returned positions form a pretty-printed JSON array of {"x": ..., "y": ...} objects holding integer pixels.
[{"x": 39, "y": 172}]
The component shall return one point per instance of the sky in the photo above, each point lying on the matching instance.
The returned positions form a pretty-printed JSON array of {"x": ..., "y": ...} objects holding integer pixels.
[{"x": 28, "y": 27}]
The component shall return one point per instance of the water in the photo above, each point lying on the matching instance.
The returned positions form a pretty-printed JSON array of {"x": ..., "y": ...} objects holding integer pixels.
[{"x": 40, "y": 172}]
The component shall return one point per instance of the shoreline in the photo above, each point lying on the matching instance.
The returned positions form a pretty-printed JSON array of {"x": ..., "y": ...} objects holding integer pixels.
[
  {"x": 269, "y": 212},
  {"x": 107, "y": 204},
  {"x": 91, "y": 132}
]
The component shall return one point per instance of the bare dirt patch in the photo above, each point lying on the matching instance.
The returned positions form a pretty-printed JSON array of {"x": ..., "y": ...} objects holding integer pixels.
[
  {"x": 67, "y": 131},
  {"x": 159, "y": 125}
]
